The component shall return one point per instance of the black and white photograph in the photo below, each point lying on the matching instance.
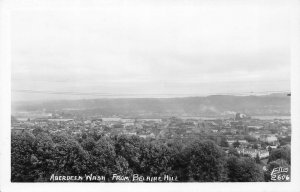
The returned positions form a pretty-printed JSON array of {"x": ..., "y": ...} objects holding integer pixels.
[{"x": 173, "y": 92}]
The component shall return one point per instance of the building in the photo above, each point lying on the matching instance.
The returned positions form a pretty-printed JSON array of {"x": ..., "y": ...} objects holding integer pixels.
[
  {"x": 242, "y": 142},
  {"x": 253, "y": 152},
  {"x": 268, "y": 138},
  {"x": 111, "y": 119},
  {"x": 60, "y": 120}
]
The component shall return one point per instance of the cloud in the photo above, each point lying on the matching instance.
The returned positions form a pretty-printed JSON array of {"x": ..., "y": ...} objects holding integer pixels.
[{"x": 136, "y": 48}]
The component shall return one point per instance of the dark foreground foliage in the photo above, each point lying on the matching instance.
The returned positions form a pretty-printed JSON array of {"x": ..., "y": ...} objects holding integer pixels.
[{"x": 36, "y": 156}]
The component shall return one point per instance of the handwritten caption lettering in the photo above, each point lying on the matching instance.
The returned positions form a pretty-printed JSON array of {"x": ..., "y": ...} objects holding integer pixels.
[
  {"x": 113, "y": 178},
  {"x": 280, "y": 174}
]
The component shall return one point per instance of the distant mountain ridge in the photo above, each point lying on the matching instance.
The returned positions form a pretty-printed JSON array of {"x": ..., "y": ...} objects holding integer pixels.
[{"x": 214, "y": 105}]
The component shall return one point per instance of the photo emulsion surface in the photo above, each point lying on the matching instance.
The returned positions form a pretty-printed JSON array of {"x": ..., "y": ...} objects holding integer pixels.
[{"x": 151, "y": 91}]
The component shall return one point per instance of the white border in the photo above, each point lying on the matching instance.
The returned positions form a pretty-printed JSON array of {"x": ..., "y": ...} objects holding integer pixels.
[{"x": 5, "y": 102}]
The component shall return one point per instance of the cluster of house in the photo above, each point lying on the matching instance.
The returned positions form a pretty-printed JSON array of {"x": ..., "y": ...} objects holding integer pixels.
[
  {"x": 262, "y": 153},
  {"x": 232, "y": 129}
]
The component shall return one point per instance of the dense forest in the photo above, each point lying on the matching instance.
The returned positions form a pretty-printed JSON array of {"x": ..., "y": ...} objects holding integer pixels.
[{"x": 36, "y": 156}]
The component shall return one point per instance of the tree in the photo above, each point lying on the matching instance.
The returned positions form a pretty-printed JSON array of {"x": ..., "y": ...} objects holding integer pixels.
[
  {"x": 281, "y": 153},
  {"x": 95, "y": 135},
  {"x": 122, "y": 167},
  {"x": 178, "y": 160},
  {"x": 250, "y": 138},
  {"x": 88, "y": 144},
  {"x": 255, "y": 146},
  {"x": 37, "y": 131},
  {"x": 233, "y": 152},
  {"x": 285, "y": 141},
  {"x": 206, "y": 161},
  {"x": 257, "y": 159},
  {"x": 36, "y": 156},
  {"x": 102, "y": 158},
  {"x": 236, "y": 144},
  {"x": 274, "y": 164},
  {"x": 43, "y": 158},
  {"x": 130, "y": 148},
  {"x": 263, "y": 145},
  {"x": 269, "y": 149},
  {"x": 155, "y": 159},
  {"x": 70, "y": 157},
  {"x": 243, "y": 170},
  {"x": 22, "y": 148},
  {"x": 224, "y": 142}
]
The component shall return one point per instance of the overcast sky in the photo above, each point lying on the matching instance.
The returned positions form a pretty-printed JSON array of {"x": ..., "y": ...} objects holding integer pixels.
[{"x": 151, "y": 49}]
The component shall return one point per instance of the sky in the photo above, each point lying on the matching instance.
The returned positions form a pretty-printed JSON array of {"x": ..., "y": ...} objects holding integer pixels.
[{"x": 134, "y": 49}]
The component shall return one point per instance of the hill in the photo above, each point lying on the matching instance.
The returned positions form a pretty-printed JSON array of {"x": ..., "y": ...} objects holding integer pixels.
[{"x": 215, "y": 105}]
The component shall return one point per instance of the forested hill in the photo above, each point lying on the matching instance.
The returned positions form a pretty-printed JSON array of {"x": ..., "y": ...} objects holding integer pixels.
[{"x": 215, "y": 105}]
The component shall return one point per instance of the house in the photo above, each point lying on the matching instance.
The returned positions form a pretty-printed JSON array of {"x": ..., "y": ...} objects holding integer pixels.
[
  {"x": 111, "y": 119},
  {"x": 60, "y": 120},
  {"x": 268, "y": 138},
  {"x": 256, "y": 135},
  {"x": 255, "y": 127},
  {"x": 151, "y": 120},
  {"x": 272, "y": 146},
  {"x": 242, "y": 142},
  {"x": 253, "y": 152},
  {"x": 128, "y": 120}
]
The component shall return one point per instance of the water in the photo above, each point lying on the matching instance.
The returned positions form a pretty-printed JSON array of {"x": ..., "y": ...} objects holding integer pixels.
[{"x": 271, "y": 117}]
